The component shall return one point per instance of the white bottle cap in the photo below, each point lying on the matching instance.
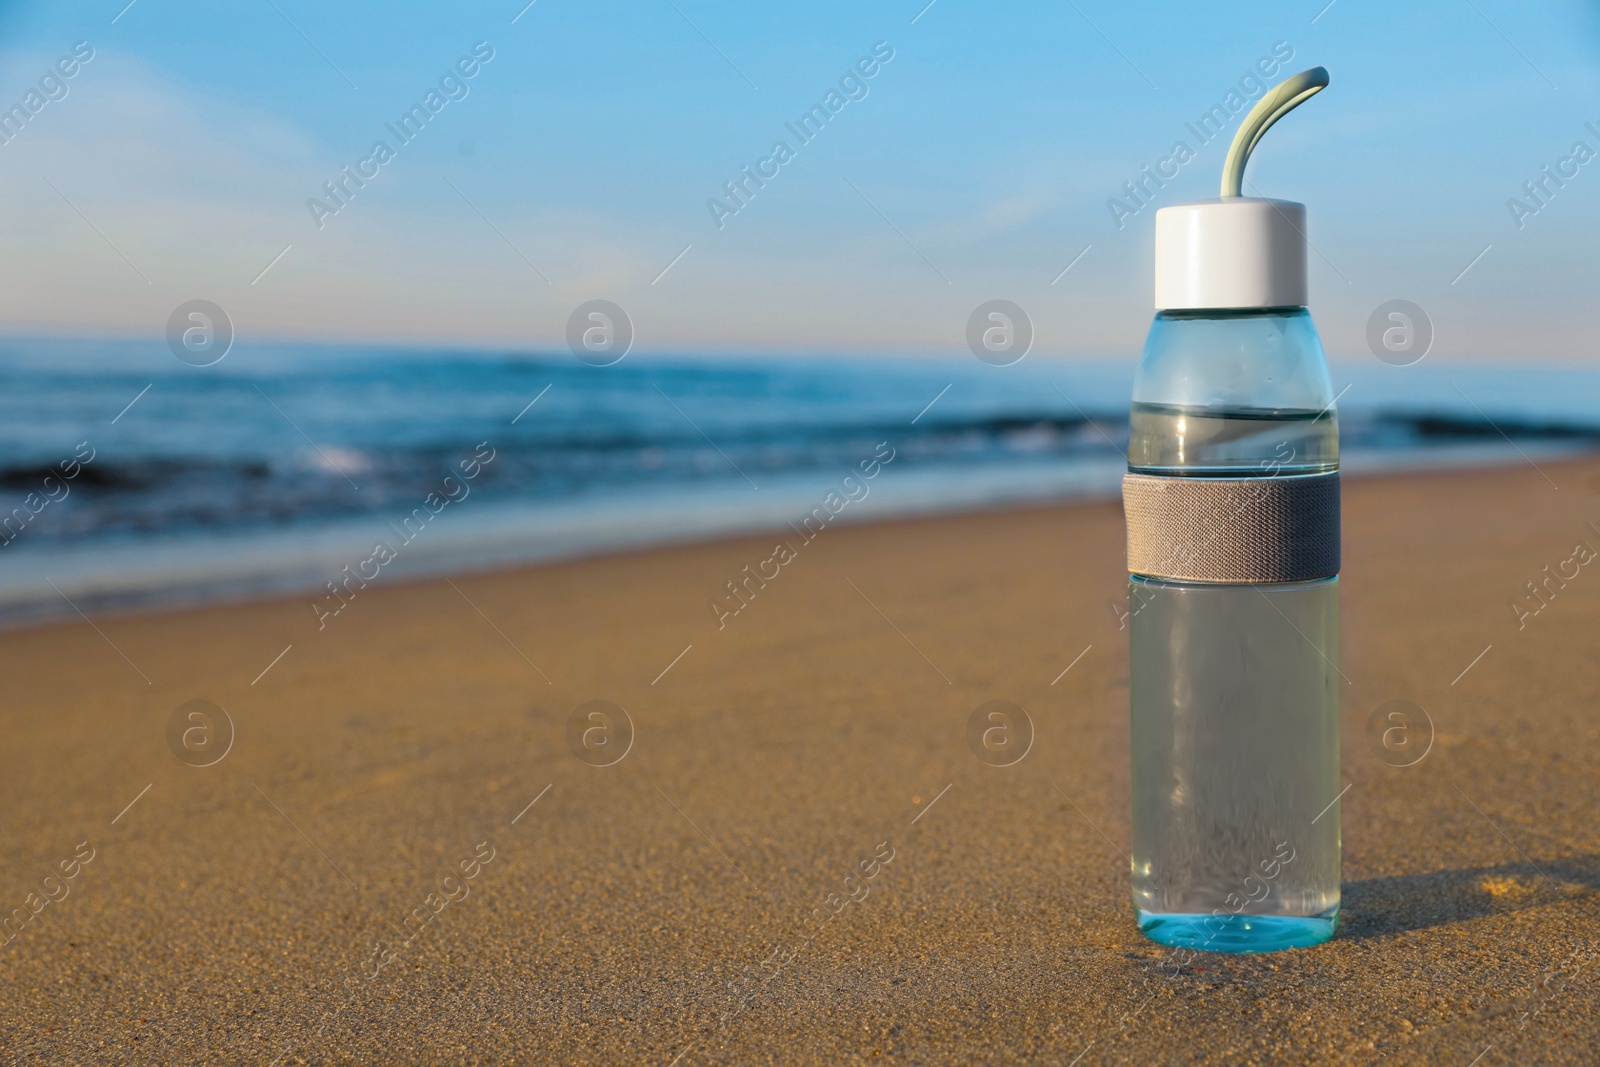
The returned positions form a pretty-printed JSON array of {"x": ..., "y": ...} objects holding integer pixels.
[{"x": 1233, "y": 252}]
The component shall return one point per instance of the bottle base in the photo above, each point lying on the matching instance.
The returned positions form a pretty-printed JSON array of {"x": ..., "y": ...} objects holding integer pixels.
[{"x": 1237, "y": 933}]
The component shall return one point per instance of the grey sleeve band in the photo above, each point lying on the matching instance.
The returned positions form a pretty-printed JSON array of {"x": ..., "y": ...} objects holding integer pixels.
[{"x": 1283, "y": 529}]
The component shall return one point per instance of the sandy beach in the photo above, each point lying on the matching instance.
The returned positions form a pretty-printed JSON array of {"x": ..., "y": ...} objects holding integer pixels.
[{"x": 795, "y": 858}]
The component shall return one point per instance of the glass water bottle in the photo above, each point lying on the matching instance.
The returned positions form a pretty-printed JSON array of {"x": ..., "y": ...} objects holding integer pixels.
[{"x": 1232, "y": 502}]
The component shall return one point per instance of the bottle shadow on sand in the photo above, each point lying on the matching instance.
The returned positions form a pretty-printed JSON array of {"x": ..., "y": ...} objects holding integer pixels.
[{"x": 1379, "y": 907}]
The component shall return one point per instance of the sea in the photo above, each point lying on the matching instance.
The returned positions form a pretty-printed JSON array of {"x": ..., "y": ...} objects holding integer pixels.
[{"x": 130, "y": 479}]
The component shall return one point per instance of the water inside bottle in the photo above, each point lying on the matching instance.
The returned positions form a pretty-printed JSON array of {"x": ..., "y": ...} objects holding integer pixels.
[
  {"x": 1171, "y": 439},
  {"x": 1235, "y": 718},
  {"x": 1235, "y": 712}
]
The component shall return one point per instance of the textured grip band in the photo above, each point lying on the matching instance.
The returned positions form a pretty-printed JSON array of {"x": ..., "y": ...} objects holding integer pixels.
[{"x": 1283, "y": 529}]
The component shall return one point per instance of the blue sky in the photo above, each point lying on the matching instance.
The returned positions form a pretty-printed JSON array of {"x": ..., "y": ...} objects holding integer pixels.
[{"x": 977, "y": 165}]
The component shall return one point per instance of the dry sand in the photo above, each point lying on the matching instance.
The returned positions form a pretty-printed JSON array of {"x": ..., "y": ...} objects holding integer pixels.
[{"x": 230, "y": 914}]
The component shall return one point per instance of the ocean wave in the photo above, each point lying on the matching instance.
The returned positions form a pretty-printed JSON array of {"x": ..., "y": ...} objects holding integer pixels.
[{"x": 263, "y": 448}]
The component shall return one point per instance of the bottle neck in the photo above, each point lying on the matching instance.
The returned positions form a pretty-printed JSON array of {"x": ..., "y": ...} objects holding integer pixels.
[
  {"x": 1183, "y": 314},
  {"x": 1233, "y": 392}
]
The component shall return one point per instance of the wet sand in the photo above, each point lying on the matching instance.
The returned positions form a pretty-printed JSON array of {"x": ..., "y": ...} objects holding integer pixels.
[{"x": 798, "y": 859}]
